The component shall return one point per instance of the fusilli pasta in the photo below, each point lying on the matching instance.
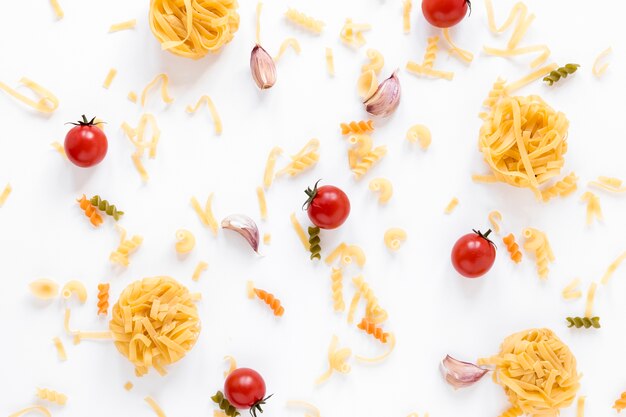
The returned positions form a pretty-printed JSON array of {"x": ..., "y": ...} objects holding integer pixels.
[
  {"x": 314, "y": 242},
  {"x": 357, "y": 127},
  {"x": 561, "y": 72},
  {"x": 125, "y": 248},
  {"x": 304, "y": 21},
  {"x": 103, "y": 299},
  {"x": 368, "y": 161},
  {"x": 620, "y": 403},
  {"x": 371, "y": 328},
  {"x": 224, "y": 404},
  {"x": 337, "y": 360},
  {"x": 51, "y": 396},
  {"x": 268, "y": 298},
  {"x": 336, "y": 277},
  {"x": 585, "y": 322},
  {"x": 513, "y": 248},
  {"x": 90, "y": 211},
  {"x": 106, "y": 207},
  {"x": 537, "y": 243},
  {"x": 303, "y": 160}
]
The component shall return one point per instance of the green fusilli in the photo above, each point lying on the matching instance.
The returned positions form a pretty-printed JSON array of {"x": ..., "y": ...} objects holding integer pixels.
[
  {"x": 224, "y": 404},
  {"x": 561, "y": 72},
  {"x": 585, "y": 322},
  {"x": 314, "y": 242},
  {"x": 105, "y": 206}
]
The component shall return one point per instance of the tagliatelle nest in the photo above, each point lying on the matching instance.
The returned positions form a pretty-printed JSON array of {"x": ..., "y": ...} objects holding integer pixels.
[
  {"x": 155, "y": 323},
  {"x": 193, "y": 28},
  {"x": 523, "y": 140},
  {"x": 537, "y": 371}
]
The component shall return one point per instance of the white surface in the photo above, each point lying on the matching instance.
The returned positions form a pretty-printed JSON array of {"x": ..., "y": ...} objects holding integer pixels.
[{"x": 432, "y": 310}]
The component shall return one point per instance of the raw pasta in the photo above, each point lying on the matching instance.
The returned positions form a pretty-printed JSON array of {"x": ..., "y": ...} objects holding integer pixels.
[
  {"x": 464, "y": 55},
  {"x": 611, "y": 269},
  {"x": 371, "y": 329},
  {"x": 217, "y": 121},
  {"x": 391, "y": 343},
  {"x": 59, "y": 148},
  {"x": 185, "y": 241},
  {"x": 352, "y": 33},
  {"x": 367, "y": 84},
  {"x": 406, "y": 15},
  {"x": 613, "y": 185},
  {"x": 41, "y": 410},
  {"x": 44, "y": 288},
  {"x": 200, "y": 268},
  {"x": 268, "y": 174},
  {"x": 232, "y": 365},
  {"x": 90, "y": 211},
  {"x": 527, "y": 79},
  {"x": 580, "y": 406},
  {"x": 373, "y": 311},
  {"x": 56, "y": 7},
  {"x": 315, "y": 412},
  {"x": 154, "y": 323},
  {"x": 495, "y": 217},
  {"x": 260, "y": 194},
  {"x": 128, "y": 386},
  {"x": 360, "y": 127},
  {"x": 591, "y": 295},
  {"x": 336, "y": 277},
  {"x": 297, "y": 227},
  {"x": 426, "y": 67},
  {"x": 419, "y": 134},
  {"x": 51, "y": 396},
  {"x": 206, "y": 215},
  {"x": 109, "y": 78},
  {"x": 451, "y": 205},
  {"x": 268, "y": 298},
  {"x": 58, "y": 344},
  {"x": 138, "y": 138},
  {"x": 125, "y": 248},
  {"x": 593, "y": 207},
  {"x": 337, "y": 360},
  {"x": 153, "y": 404},
  {"x": 562, "y": 188},
  {"x": 305, "y": 159},
  {"x": 103, "y": 299},
  {"x": 304, "y": 21},
  {"x": 537, "y": 371},
  {"x": 164, "y": 94},
  {"x": 383, "y": 188},
  {"x": 5, "y": 194},
  {"x": 75, "y": 287},
  {"x": 598, "y": 70},
  {"x": 366, "y": 163},
  {"x": 289, "y": 42},
  {"x": 620, "y": 403},
  {"x": 537, "y": 243},
  {"x": 571, "y": 291},
  {"x": 513, "y": 248},
  {"x": 129, "y": 24},
  {"x": 377, "y": 61},
  {"x": 330, "y": 62},
  {"x": 394, "y": 238},
  {"x": 47, "y": 102},
  {"x": 196, "y": 28}
]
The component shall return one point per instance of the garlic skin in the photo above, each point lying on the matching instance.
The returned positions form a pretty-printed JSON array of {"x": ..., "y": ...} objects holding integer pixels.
[
  {"x": 460, "y": 374},
  {"x": 245, "y": 226},
  {"x": 262, "y": 68},
  {"x": 386, "y": 98}
]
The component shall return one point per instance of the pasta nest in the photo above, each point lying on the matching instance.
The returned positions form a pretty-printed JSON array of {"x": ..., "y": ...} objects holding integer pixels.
[
  {"x": 154, "y": 323},
  {"x": 537, "y": 371},
  {"x": 193, "y": 28},
  {"x": 523, "y": 141}
]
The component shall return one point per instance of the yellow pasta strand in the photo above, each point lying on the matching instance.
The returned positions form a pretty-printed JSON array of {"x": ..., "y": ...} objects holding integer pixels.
[
  {"x": 593, "y": 207},
  {"x": 35, "y": 408},
  {"x": 315, "y": 412},
  {"x": 391, "y": 343},
  {"x": 217, "y": 121},
  {"x": 451, "y": 205},
  {"x": 268, "y": 174},
  {"x": 464, "y": 55},
  {"x": 337, "y": 360},
  {"x": 4, "y": 195},
  {"x": 610, "y": 184},
  {"x": 58, "y": 344},
  {"x": 418, "y": 69},
  {"x": 599, "y": 70},
  {"x": 206, "y": 215},
  {"x": 164, "y": 79},
  {"x": 260, "y": 194},
  {"x": 56, "y": 7},
  {"x": 288, "y": 43},
  {"x": 200, "y": 268},
  {"x": 533, "y": 76},
  {"x": 297, "y": 227},
  {"x": 59, "y": 148},
  {"x": 611, "y": 269},
  {"x": 330, "y": 62},
  {"x": 570, "y": 291},
  {"x": 591, "y": 295},
  {"x": 129, "y": 24},
  {"x": 47, "y": 102},
  {"x": 153, "y": 404},
  {"x": 406, "y": 15},
  {"x": 259, "y": 7}
]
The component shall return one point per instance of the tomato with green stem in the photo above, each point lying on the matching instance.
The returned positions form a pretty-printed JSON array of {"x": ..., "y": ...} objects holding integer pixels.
[
  {"x": 245, "y": 388},
  {"x": 328, "y": 207},
  {"x": 445, "y": 13},
  {"x": 86, "y": 144},
  {"x": 473, "y": 254}
]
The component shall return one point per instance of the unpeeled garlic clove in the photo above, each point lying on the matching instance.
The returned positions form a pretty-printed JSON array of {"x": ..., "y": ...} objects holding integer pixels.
[
  {"x": 461, "y": 374},
  {"x": 245, "y": 226},
  {"x": 386, "y": 98},
  {"x": 262, "y": 68}
]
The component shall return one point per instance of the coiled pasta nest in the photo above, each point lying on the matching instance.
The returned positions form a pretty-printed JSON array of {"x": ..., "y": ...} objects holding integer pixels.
[
  {"x": 523, "y": 141},
  {"x": 193, "y": 28},
  {"x": 537, "y": 371},
  {"x": 155, "y": 323}
]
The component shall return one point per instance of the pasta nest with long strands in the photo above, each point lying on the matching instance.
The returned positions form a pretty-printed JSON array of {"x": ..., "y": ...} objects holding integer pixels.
[
  {"x": 523, "y": 141},
  {"x": 155, "y": 323},
  {"x": 193, "y": 28},
  {"x": 537, "y": 371}
]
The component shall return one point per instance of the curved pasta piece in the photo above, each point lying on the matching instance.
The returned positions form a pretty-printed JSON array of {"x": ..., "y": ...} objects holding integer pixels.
[
  {"x": 200, "y": 268},
  {"x": 353, "y": 253},
  {"x": 164, "y": 94},
  {"x": 75, "y": 287},
  {"x": 315, "y": 412},
  {"x": 217, "y": 121},
  {"x": 593, "y": 207},
  {"x": 185, "y": 241},
  {"x": 44, "y": 288},
  {"x": 103, "y": 299},
  {"x": 153, "y": 404},
  {"x": 370, "y": 159},
  {"x": 56, "y": 7},
  {"x": 58, "y": 344},
  {"x": 304, "y": 160},
  {"x": 232, "y": 365},
  {"x": 337, "y": 360},
  {"x": 610, "y": 184},
  {"x": 288, "y": 43},
  {"x": 598, "y": 70},
  {"x": 352, "y": 33},
  {"x": 377, "y": 359},
  {"x": 367, "y": 84},
  {"x": 377, "y": 61},
  {"x": 47, "y": 102},
  {"x": 34, "y": 408},
  {"x": 268, "y": 174},
  {"x": 465, "y": 56},
  {"x": 383, "y": 187},
  {"x": 206, "y": 215},
  {"x": 495, "y": 217},
  {"x": 394, "y": 238},
  {"x": 419, "y": 134}
]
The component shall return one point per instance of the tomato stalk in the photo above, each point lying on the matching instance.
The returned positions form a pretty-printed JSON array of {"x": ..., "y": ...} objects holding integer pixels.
[
  {"x": 311, "y": 193},
  {"x": 485, "y": 236},
  {"x": 257, "y": 406},
  {"x": 85, "y": 122}
]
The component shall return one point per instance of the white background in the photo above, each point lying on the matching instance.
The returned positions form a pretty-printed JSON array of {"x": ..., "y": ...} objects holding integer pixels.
[{"x": 432, "y": 310}]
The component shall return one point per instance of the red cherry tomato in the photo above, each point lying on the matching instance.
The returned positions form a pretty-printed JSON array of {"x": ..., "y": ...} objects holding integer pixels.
[
  {"x": 445, "y": 13},
  {"x": 473, "y": 254},
  {"x": 86, "y": 144},
  {"x": 328, "y": 207},
  {"x": 245, "y": 388}
]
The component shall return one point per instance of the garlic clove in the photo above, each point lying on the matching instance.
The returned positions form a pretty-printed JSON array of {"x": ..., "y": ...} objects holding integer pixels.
[
  {"x": 262, "y": 68},
  {"x": 245, "y": 226},
  {"x": 386, "y": 98},
  {"x": 461, "y": 374}
]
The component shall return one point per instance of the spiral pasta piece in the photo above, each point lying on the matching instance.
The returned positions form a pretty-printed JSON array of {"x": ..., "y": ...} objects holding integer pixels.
[
  {"x": 268, "y": 298},
  {"x": 419, "y": 134},
  {"x": 373, "y": 311},
  {"x": 537, "y": 243},
  {"x": 593, "y": 207},
  {"x": 430, "y": 55},
  {"x": 561, "y": 188},
  {"x": 51, "y": 396},
  {"x": 193, "y": 28},
  {"x": 512, "y": 412},
  {"x": 314, "y": 242},
  {"x": 125, "y": 248},
  {"x": 106, "y": 207},
  {"x": 305, "y": 159},
  {"x": 383, "y": 188},
  {"x": 371, "y": 328},
  {"x": 394, "y": 238},
  {"x": 336, "y": 278},
  {"x": 561, "y": 72},
  {"x": 90, "y": 211},
  {"x": 337, "y": 360},
  {"x": 428, "y": 62},
  {"x": 368, "y": 161},
  {"x": 224, "y": 404},
  {"x": 304, "y": 21},
  {"x": 185, "y": 241},
  {"x": 377, "y": 61},
  {"x": 352, "y": 33},
  {"x": 103, "y": 299},
  {"x": 620, "y": 403},
  {"x": 357, "y": 127},
  {"x": 513, "y": 248},
  {"x": 585, "y": 322}
]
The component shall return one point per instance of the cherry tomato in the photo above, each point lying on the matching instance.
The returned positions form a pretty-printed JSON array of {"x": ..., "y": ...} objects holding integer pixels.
[
  {"x": 327, "y": 206},
  {"x": 86, "y": 144},
  {"x": 445, "y": 13},
  {"x": 473, "y": 254},
  {"x": 245, "y": 388}
]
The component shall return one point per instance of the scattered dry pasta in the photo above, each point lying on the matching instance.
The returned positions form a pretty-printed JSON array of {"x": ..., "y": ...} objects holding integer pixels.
[
  {"x": 370, "y": 159},
  {"x": 330, "y": 62},
  {"x": 305, "y": 159},
  {"x": 598, "y": 70},
  {"x": 304, "y": 21},
  {"x": 153, "y": 404},
  {"x": 537, "y": 243},
  {"x": 620, "y": 403},
  {"x": 129, "y": 24},
  {"x": 59, "y": 148},
  {"x": 126, "y": 247},
  {"x": 495, "y": 217},
  {"x": 200, "y": 268},
  {"x": 232, "y": 365},
  {"x": 289, "y": 42},
  {"x": 593, "y": 207},
  {"x": 529, "y": 78},
  {"x": 610, "y": 184},
  {"x": 128, "y": 386},
  {"x": 426, "y": 67},
  {"x": 536, "y": 361},
  {"x": 315, "y": 412},
  {"x": 90, "y": 211},
  {"x": 465, "y": 56},
  {"x": 197, "y": 28},
  {"x": 373, "y": 311},
  {"x": 394, "y": 238},
  {"x": 154, "y": 323},
  {"x": 383, "y": 188},
  {"x": 419, "y": 134},
  {"x": 571, "y": 290},
  {"x": 360, "y": 127},
  {"x": 217, "y": 121},
  {"x": 56, "y": 7},
  {"x": 367, "y": 84},
  {"x": 451, "y": 205},
  {"x": 376, "y": 61},
  {"x": 103, "y": 299},
  {"x": 611, "y": 269},
  {"x": 109, "y": 78},
  {"x": 47, "y": 102},
  {"x": 51, "y": 396},
  {"x": 268, "y": 298},
  {"x": 591, "y": 295},
  {"x": 297, "y": 227},
  {"x": 513, "y": 248},
  {"x": 185, "y": 241},
  {"x": 391, "y": 338},
  {"x": 75, "y": 287},
  {"x": 206, "y": 215},
  {"x": 561, "y": 188},
  {"x": 44, "y": 288},
  {"x": 337, "y": 360},
  {"x": 352, "y": 33},
  {"x": 336, "y": 277},
  {"x": 139, "y": 139},
  {"x": 58, "y": 344},
  {"x": 406, "y": 15},
  {"x": 371, "y": 329},
  {"x": 268, "y": 174},
  {"x": 260, "y": 194},
  {"x": 164, "y": 94}
]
